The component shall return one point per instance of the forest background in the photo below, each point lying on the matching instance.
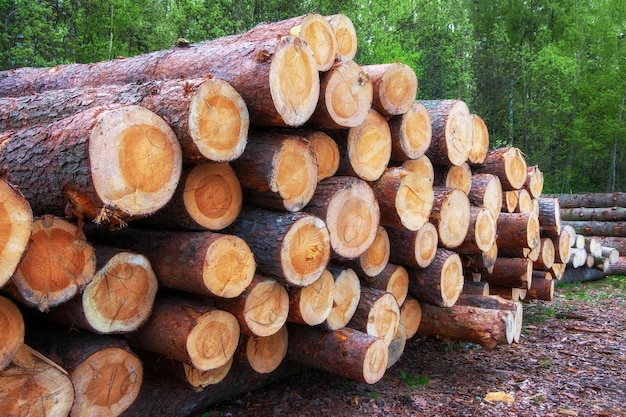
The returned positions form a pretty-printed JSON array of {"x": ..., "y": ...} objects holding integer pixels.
[{"x": 547, "y": 76}]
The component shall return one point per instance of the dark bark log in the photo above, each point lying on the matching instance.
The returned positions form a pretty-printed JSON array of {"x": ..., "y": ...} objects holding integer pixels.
[
  {"x": 542, "y": 289},
  {"x": 603, "y": 214},
  {"x": 549, "y": 216},
  {"x": 511, "y": 272},
  {"x": 518, "y": 230},
  {"x": 452, "y": 131},
  {"x": 589, "y": 228}
]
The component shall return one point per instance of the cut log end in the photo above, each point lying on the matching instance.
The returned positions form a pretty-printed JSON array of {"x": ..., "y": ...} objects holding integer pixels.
[
  {"x": 515, "y": 167},
  {"x": 198, "y": 379},
  {"x": 295, "y": 173},
  {"x": 451, "y": 280},
  {"x": 453, "y": 218},
  {"x": 426, "y": 245},
  {"x": 376, "y": 256},
  {"x": 326, "y": 152},
  {"x": 369, "y": 146},
  {"x": 411, "y": 133},
  {"x": 410, "y": 316},
  {"x": 395, "y": 87},
  {"x": 345, "y": 33},
  {"x": 480, "y": 142},
  {"x": 266, "y": 307},
  {"x": 414, "y": 201},
  {"x": 16, "y": 219},
  {"x": 12, "y": 325},
  {"x": 264, "y": 354},
  {"x": 345, "y": 299},
  {"x": 375, "y": 361},
  {"x": 305, "y": 251},
  {"x": 319, "y": 34},
  {"x": 213, "y": 340},
  {"x": 314, "y": 302},
  {"x": 229, "y": 267}
]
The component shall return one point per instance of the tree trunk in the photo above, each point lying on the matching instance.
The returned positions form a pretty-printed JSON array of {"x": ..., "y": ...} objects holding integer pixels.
[
  {"x": 592, "y": 228},
  {"x": 440, "y": 283},
  {"x": 511, "y": 272},
  {"x": 486, "y": 191},
  {"x": 16, "y": 223},
  {"x": 311, "y": 305},
  {"x": 508, "y": 164},
  {"x": 394, "y": 279},
  {"x": 351, "y": 213},
  {"x": 534, "y": 181},
  {"x": 481, "y": 234},
  {"x": 451, "y": 216},
  {"x": 455, "y": 176},
  {"x": 480, "y": 141},
  {"x": 405, "y": 199},
  {"x": 582, "y": 274},
  {"x": 410, "y": 316},
  {"x": 375, "y": 258},
  {"x": 421, "y": 166},
  {"x": 549, "y": 216},
  {"x": 413, "y": 249},
  {"x": 326, "y": 153},
  {"x": 277, "y": 171},
  {"x": 345, "y": 352},
  {"x": 346, "y": 36},
  {"x": 395, "y": 87},
  {"x": 345, "y": 298},
  {"x": 108, "y": 165},
  {"x": 12, "y": 331},
  {"x": 517, "y": 230},
  {"x": 602, "y": 214},
  {"x": 452, "y": 131},
  {"x": 411, "y": 133},
  {"x": 591, "y": 200},
  {"x": 264, "y": 354}
]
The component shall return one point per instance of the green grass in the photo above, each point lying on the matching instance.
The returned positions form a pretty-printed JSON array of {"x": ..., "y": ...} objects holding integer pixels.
[
  {"x": 413, "y": 381},
  {"x": 613, "y": 286}
]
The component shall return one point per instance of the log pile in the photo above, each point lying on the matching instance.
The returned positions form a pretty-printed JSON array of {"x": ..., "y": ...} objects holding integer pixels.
[{"x": 229, "y": 212}]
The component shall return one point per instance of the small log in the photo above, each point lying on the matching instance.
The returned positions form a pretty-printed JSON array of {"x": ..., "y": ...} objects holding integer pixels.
[
  {"x": 615, "y": 242},
  {"x": 542, "y": 289},
  {"x": 511, "y": 272},
  {"x": 546, "y": 255},
  {"x": 518, "y": 230},
  {"x": 264, "y": 354},
  {"x": 579, "y": 240},
  {"x": 591, "y": 200},
  {"x": 611, "y": 254},
  {"x": 345, "y": 298},
  {"x": 397, "y": 346},
  {"x": 452, "y": 131},
  {"x": 481, "y": 234},
  {"x": 411, "y": 133},
  {"x": 475, "y": 287},
  {"x": 216, "y": 264},
  {"x": 480, "y": 141},
  {"x": 508, "y": 164},
  {"x": 326, "y": 153},
  {"x": 377, "y": 314},
  {"x": 481, "y": 262},
  {"x": 510, "y": 293},
  {"x": 12, "y": 331},
  {"x": 534, "y": 181},
  {"x": 578, "y": 257},
  {"x": 349, "y": 208},
  {"x": 276, "y": 171},
  {"x": 394, "y": 279},
  {"x": 619, "y": 267},
  {"x": 421, "y": 166},
  {"x": 311, "y": 305},
  {"x": 440, "y": 283},
  {"x": 596, "y": 228},
  {"x": 188, "y": 331},
  {"x": 509, "y": 201},
  {"x": 293, "y": 247},
  {"x": 524, "y": 201},
  {"x": 495, "y": 302},
  {"x": 395, "y": 87},
  {"x": 455, "y": 176},
  {"x": 373, "y": 260},
  {"x": 348, "y": 353},
  {"x": 261, "y": 309},
  {"x": 486, "y": 191},
  {"x": 415, "y": 249},
  {"x": 16, "y": 220},
  {"x": 346, "y": 36},
  {"x": 572, "y": 234},
  {"x": 450, "y": 215},
  {"x": 410, "y": 316},
  {"x": 485, "y": 327},
  {"x": 562, "y": 247},
  {"x": 557, "y": 270},
  {"x": 582, "y": 274},
  {"x": 405, "y": 199},
  {"x": 58, "y": 263},
  {"x": 549, "y": 216}
]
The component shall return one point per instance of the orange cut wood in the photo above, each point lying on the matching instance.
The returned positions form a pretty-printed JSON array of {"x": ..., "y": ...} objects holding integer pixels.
[
  {"x": 480, "y": 141},
  {"x": 326, "y": 152},
  {"x": 441, "y": 282},
  {"x": 413, "y": 248},
  {"x": 422, "y": 166},
  {"x": 411, "y": 133},
  {"x": 394, "y": 87},
  {"x": 346, "y": 36},
  {"x": 452, "y": 131},
  {"x": 345, "y": 298},
  {"x": 450, "y": 215},
  {"x": 508, "y": 164},
  {"x": 12, "y": 325},
  {"x": 312, "y": 304}
]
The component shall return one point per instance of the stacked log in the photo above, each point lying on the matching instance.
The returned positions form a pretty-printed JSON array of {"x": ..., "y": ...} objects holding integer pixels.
[{"x": 321, "y": 218}]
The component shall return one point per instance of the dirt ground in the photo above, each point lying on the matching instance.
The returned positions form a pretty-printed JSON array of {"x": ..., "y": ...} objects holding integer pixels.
[{"x": 571, "y": 361}]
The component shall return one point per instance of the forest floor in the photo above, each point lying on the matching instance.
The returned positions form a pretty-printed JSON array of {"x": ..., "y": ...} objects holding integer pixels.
[{"x": 571, "y": 361}]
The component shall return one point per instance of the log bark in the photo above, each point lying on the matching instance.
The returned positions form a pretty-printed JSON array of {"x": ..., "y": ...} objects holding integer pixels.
[
  {"x": 486, "y": 191},
  {"x": 216, "y": 264},
  {"x": 405, "y": 199},
  {"x": 452, "y": 131},
  {"x": 534, "y": 181},
  {"x": 450, "y": 215},
  {"x": 346, "y": 36},
  {"x": 377, "y": 314},
  {"x": 410, "y": 316},
  {"x": 603, "y": 214},
  {"x": 508, "y": 164},
  {"x": 615, "y": 242},
  {"x": 345, "y": 298},
  {"x": 293, "y": 247},
  {"x": 326, "y": 153},
  {"x": 397, "y": 346},
  {"x": 264, "y": 354},
  {"x": 495, "y": 302},
  {"x": 394, "y": 279},
  {"x": 593, "y": 228},
  {"x": 481, "y": 233},
  {"x": 415, "y": 249},
  {"x": 16, "y": 223},
  {"x": 582, "y": 274},
  {"x": 107, "y": 165},
  {"x": 481, "y": 262},
  {"x": 421, "y": 166},
  {"x": 455, "y": 176},
  {"x": 510, "y": 293},
  {"x": 542, "y": 289},
  {"x": 311, "y": 305},
  {"x": 395, "y": 87},
  {"x": 480, "y": 141},
  {"x": 349, "y": 208},
  {"x": 518, "y": 230},
  {"x": 475, "y": 287},
  {"x": 546, "y": 255},
  {"x": 373, "y": 260},
  {"x": 511, "y": 272},
  {"x": 12, "y": 324},
  {"x": 549, "y": 216},
  {"x": 58, "y": 263},
  {"x": 411, "y": 133},
  {"x": 524, "y": 202},
  {"x": 591, "y": 200},
  {"x": 441, "y": 282},
  {"x": 277, "y": 171},
  {"x": 345, "y": 352}
]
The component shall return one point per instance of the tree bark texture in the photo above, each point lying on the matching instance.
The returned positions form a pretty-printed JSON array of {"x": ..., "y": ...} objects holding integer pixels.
[
  {"x": 508, "y": 164},
  {"x": 591, "y": 200},
  {"x": 597, "y": 228},
  {"x": 452, "y": 131},
  {"x": 415, "y": 249},
  {"x": 440, "y": 283}
]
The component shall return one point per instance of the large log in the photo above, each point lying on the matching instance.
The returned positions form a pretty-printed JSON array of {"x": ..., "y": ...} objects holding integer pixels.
[
  {"x": 602, "y": 214},
  {"x": 562, "y": 247},
  {"x": 597, "y": 228},
  {"x": 16, "y": 222},
  {"x": 109, "y": 165},
  {"x": 546, "y": 255},
  {"x": 395, "y": 87},
  {"x": 415, "y": 249},
  {"x": 480, "y": 141},
  {"x": 441, "y": 282},
  {"x": 311, "y": 305},
  {"x": 12, "y": 324},
  {"x": 542, "y": 289},
  {"x": 591, "y": 200},
  {"x": 508, "y": 164},
  {"x": 450, "y": 215},
  {"x": 377, "y": 314},
  {"x": 346, "y": 36},
  {"x": 345, "y": 298},
  {"x": 510, "y": 272},
  {"x": 411, "y": 133},
  {"x": 495, "y": 302},
  {"x": 518, "y": 230}
]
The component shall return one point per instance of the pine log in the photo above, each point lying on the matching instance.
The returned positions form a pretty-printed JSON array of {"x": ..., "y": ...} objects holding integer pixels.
[
  {"x": 415, "y": 249},
  {"x": 481, "y": 233},
  {"x": 440, "y": 283},
  {"x": 58, "y": 263},
  {"x": 208, "y": 197},
  {"x": 546, "y": 255},
  {"x": 261, "y": 309},
  {"x": 486, "y": 191},
  {"x": 345, "y": 97},
  {"x": 216, "y": 264},
  {"x": 603, "y": 214},
  {"x": 615, "y": 242},
  {"x": 572, "y": 234},
  {"x": 421, "y": 166},
  {"x": 377, "y": 314},
  {"x": 510, "y": 293},
  {"x": 118, "y": 299},
  {"x": 349, "y": 208},
  {"x": 264, "y": 354},
  {"x": 348, "y": 353},
  {"x": 450, "y": 215},
  {"x": 394, "y": 279},
  {"x": 397, "y": 346},
  {"x": 452, "y": 131},
  {"x": 562, "y": 247},
  {"x": 597, "y": 228},
  {"x": 455, "y": 176},
  {"x": 12, "y": 324},
  {"x": 373, "y": 260},
  {"x": 524, "y": 201},
  {"x": 542, "y": 289},
  {"x": 326, "y": 153},
  {"x": 480, "y": 141},
  {"x": 405, "y": 199},
  {"x": 578, "y": 257},
  {"x": 345, "y": 298},
  {"x": 509, "y": 201},
  {"x": 485, "y": 327},
  {"x": 395, "y": 87},
  {"x": 511, "y": 272},
  {"x": 108, "y": 165},
  {"x": 475, "y": 287},
  {"x": 33, "y": 385},
  {"x": 549, "y": 216},
  {"x": 188, "y": 331},
  {"x": 276, "y": 76},
  {"x": 16, "y": 222},
  {"x": 534, "y": 181},
  {"x": 346, "y": 36},
  {"x": 495, "y": 302},
  {"x": 410, "y": 316},
  {"x": 277, "y": 171},
  {"x": 591, "y": 200},
  {"x": 311, "y": 305},
  {"x": 518, "y": 230},
  {"x": 508, "y": 164},
  {"x": 481, "y": 262},
  {"x": 411, "y": 133},
  {"x": 365, "y": 150}
]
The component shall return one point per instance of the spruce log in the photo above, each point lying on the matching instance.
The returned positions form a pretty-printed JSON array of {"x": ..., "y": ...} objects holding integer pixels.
[
  {"x": 395, "y": 87},
  {"x": 349, "y": 208},
  {"x": 452, "y": 131},
  {"x": 511, "y": 272},
  {"x": 486, "y": 191},
  {"x": 375, "y": 258},
  {"x": 578, "y": 257},
  {"x": 517, "y": 230},
  {"x": 549, "y": 216},
  {"x": 450, "y": 215},
  {"x": 394, "y": 279},
  {"x": 597, "y": 228},
  {"x": 12, "y": 324},
  {"x": 475, "y": 287},
  {"x": 421, "y": 166},
  {"x": 495, "y": 302},
  {"x": 345, "y": 298},
  {"x": 415, "y": 249},
  {"x": 485, "y": 327},
  {"x": 455, "y": 176},
  {"x": 277, "y": 171},
  {"x": 410, "y": 316},
  {"x": 524, "y": 202},
  {"x": 16, "y": 222},
  {"x": 405, "y": 199},
  {"x": 542, "y": 289},
  {"x": 591, "y": 200},
  {"x": 58, "y": 263},
  {"x": 481, "y": 234},
  {"x": 293, "y": 247},
  {"x": 534, "y": 181},
  {"x": 509, "y": 201},
  {"x": 215, "y": 264},
  {"x": 480, "y": 141},
  {"x": 546, "y": 255},
  {"x": 348, "y": 353},
  {"x": 264, "y": 354},
  {"x": 508, "y": 164},
  {"x": 377, "y": 314},
  {"x": 346, "y": 36},
  {"x": 562, "y": 247},
  {"x": 510, "y": 293},
  {"x": 481, "y": 262},
  {"x": 326, "y": 153},
  {"x": 107, "y": 165},
  {"x": 440, "y": 283},
  {"x": 411, "y": 133},
  {"x": 603, "y": 214},
  {"x": 311, "y": 305},
  {"x": 188, "y": 331},
  {"x": 611, "y": 254}
]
